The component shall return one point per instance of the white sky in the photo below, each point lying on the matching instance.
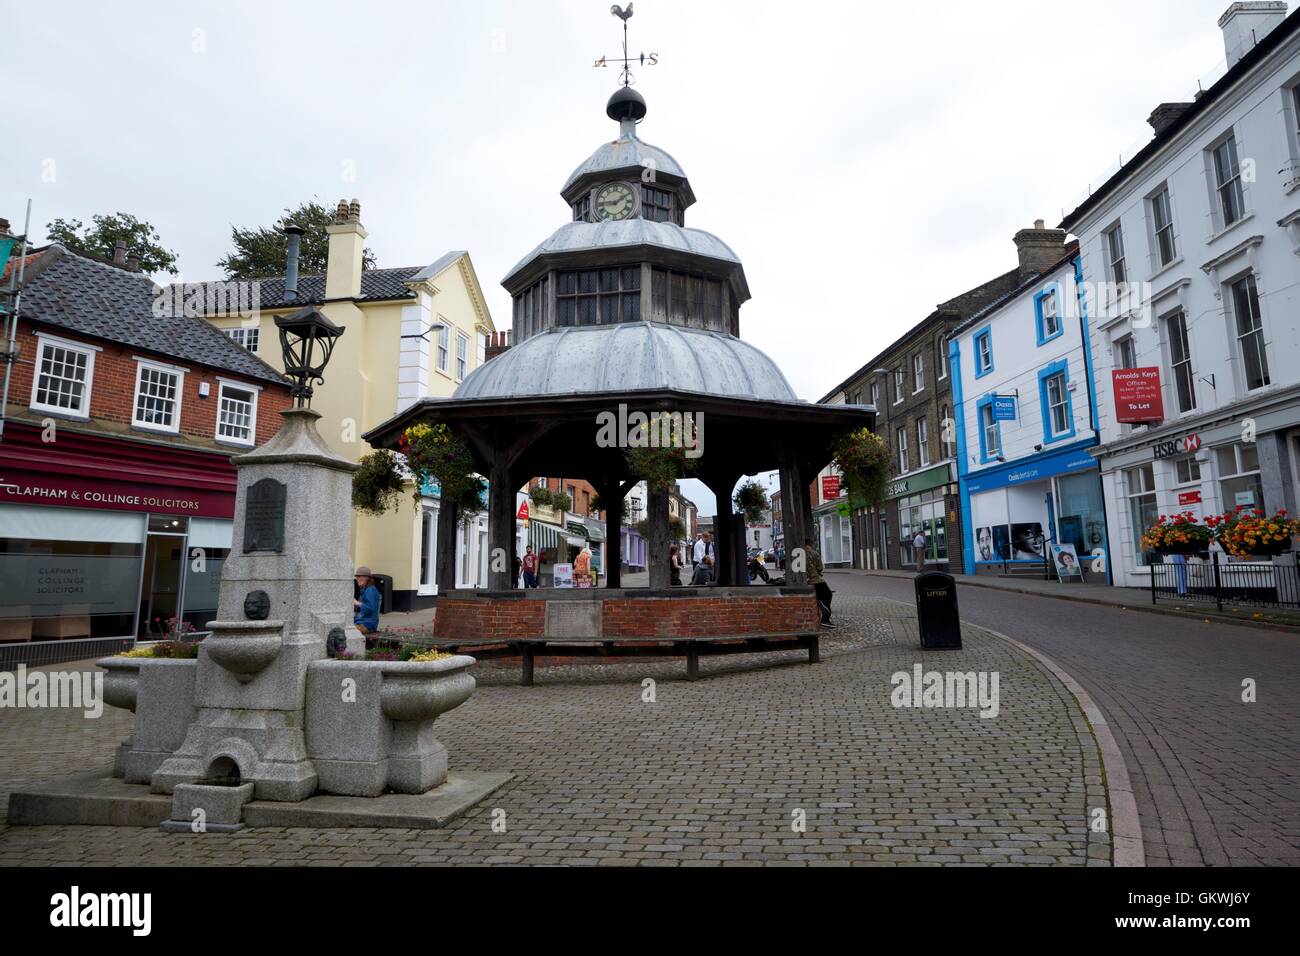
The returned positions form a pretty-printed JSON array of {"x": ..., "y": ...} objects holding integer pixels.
[{"x": 865, "y": 160}]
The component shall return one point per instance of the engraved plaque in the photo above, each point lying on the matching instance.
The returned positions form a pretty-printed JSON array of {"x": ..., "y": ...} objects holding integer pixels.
[
  {"x": 264, "y": 516},
  {"x": 573, "y": 619}
]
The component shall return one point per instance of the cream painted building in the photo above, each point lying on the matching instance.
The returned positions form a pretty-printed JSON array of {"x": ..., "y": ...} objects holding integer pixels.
[{"x": 411, "y": 332}]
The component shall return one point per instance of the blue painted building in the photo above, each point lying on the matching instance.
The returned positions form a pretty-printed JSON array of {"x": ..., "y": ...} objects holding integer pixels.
[{"x": 1025, "y": 417}]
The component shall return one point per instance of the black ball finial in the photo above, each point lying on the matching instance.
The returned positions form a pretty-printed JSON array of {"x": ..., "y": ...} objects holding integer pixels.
[{"x": 626, "y": 103}]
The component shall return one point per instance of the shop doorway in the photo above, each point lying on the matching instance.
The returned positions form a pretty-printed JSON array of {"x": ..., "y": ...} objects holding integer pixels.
[{"x": 163, "y": 576}]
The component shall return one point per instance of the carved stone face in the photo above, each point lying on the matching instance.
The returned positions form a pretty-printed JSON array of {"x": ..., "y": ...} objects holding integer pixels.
[
  {"x": 257, "y": 606},
  {"x": 337, "y": 642}
]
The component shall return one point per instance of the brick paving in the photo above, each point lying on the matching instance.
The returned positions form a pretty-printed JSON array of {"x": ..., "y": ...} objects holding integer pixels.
[
  {"x": 712, "y": 773},
  {"x": 1217, "y": 780}
]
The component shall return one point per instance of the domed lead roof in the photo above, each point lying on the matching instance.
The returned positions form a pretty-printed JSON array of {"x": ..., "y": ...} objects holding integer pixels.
[
  {"x": 626, "y": 152},
  {"x": 576, "y": 236},
  {"x": 636, "y": 356}
]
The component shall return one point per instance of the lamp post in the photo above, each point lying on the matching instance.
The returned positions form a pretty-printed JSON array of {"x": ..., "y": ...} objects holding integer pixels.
[{"x": 307, "y": 341}]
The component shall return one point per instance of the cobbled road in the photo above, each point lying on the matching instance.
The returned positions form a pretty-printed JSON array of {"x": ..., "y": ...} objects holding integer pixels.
[
  {"x": 1217, "y": 780},
  {"x": 766, "y": 761}
]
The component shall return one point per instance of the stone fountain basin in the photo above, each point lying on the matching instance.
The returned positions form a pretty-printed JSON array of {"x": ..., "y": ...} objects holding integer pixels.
[
  {"x": 244, "y": 648},
  {"x": 421, "y": 691},
  {"x": 121, "y": 681}
]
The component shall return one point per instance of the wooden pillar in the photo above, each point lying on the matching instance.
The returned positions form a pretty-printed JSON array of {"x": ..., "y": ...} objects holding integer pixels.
[
  {"x": 612, "y": 498},
  {"x": 658, "y": 543},
  {"x": 724, "y": 537},
  {"x": 448, "y": 519},
  {"x": 501, "y": 526},
  {"x": 792, "y": 514}
]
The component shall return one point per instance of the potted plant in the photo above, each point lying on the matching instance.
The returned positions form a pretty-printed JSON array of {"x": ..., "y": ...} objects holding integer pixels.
[
  {"x": 1177, "y": 534},
  {"x": 1250, "y": 533},
  {"x": 862, "y": 458}
]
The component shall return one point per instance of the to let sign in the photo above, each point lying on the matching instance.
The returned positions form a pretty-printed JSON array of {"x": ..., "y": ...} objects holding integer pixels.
[
  {"x": 830, "y": 487},
  {"x": 1137, "y": 395}
]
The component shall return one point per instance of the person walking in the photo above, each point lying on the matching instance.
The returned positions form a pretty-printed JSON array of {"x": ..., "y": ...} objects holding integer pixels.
[
  {"x": 918, "y": 546},
  {"x": 530, "y": 568},
  {"x": 813, "y": 559},
  {"x": 366, "y": 607}
]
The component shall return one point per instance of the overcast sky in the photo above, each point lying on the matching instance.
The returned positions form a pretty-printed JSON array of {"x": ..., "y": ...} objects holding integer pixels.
[{"x": 864, "y": 160}]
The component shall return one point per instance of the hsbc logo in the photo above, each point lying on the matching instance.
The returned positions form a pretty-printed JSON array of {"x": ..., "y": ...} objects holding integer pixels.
[{"x": 1177, "y": 446}]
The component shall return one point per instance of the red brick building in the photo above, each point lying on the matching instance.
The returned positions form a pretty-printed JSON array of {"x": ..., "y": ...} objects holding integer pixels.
[{"x": 117, "y": 491}]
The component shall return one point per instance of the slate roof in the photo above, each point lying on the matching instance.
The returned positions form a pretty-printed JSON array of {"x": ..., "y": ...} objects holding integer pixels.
[
  {"x": 377, "y": 285},
  {"x": 103, "y": 301}
]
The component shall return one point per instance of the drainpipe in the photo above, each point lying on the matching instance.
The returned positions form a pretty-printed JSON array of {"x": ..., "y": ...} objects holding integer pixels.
[{"x": 11, "y": 320}]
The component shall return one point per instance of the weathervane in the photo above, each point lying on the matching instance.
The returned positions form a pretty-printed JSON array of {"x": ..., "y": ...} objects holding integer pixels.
[{"x": 645, "y": 59}]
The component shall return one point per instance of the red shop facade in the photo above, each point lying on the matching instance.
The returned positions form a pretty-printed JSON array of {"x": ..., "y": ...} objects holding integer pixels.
[{"x": 107, "y": 537}]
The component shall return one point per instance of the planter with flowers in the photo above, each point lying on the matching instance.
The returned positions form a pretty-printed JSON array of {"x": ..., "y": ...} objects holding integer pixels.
[
  {"x": 1250, "y": 533},
  {"x": 1179, "y": 534}
]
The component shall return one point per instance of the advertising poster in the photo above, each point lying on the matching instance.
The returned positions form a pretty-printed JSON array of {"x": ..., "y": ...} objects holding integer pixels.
[
  {"x": 564, "y": 575},
  {"x": 1067, "y": 562}
]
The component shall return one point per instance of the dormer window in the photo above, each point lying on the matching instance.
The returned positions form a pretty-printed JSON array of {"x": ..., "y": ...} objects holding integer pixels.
[{"x": 656, "y": 204}]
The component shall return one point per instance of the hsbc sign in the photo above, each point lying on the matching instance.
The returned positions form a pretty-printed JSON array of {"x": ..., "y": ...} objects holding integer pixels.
[{"x": 1188, "y": 444}]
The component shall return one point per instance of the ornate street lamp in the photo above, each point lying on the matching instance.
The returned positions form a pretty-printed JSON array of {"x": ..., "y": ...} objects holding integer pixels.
[{"x": 306, "y": 340}]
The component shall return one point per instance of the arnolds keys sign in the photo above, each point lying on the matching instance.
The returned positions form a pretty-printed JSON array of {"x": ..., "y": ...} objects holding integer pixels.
[{"x": 1137, "y": 395}]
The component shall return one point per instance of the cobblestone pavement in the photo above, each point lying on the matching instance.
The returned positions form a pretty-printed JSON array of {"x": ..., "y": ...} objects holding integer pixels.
[
  {"x": 714, "y": 772},
  {"x": 1217, "y": 781}
]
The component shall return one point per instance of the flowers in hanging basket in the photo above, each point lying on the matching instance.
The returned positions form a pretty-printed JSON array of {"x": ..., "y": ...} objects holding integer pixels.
[
  {"x": 664, "y": 449},
  {"x": 862, "y": 458},
  {"x": 431, "y": 452},
  {"x": 1249, "y": 532},
  {"x": 751, "y": 500},
  {"x": 1177, "y": 534}
]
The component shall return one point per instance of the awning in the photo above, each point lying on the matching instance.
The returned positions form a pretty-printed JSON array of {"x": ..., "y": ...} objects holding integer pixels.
[
  {"x": 595, "y": 528},
  {"x": 542, "y": 535},
  {"x": 576, "y": 542}
]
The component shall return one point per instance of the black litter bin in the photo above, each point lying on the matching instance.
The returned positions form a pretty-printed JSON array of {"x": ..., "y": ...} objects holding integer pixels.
[
  {"x": 385, "y": 584},
  {"x": 936, "y": 610}
]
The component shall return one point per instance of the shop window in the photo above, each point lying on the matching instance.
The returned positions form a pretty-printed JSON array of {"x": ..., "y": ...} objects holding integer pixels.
[
  {"x": 237, "y": 414},
  {"x": 158, "y": 397},
  {"x": 62, "y": 382},
  {"x": 1239, "y": 478},
  {"x": 1140, "y": 486}
]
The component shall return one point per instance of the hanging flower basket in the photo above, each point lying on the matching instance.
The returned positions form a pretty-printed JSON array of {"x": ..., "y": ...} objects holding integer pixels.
[
  {"x": 862, "y": 458},
  {"x": 1177, "y": 534},
  {"x": 1250, "y": 533},
  {"x": 658, "y": 450},
  {"x": 431, "y": 452},
  {"x": 751, "y": 501}
]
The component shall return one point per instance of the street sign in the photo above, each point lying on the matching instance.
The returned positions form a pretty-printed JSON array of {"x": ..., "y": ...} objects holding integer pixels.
[
  {"x": 1137, "y": 395},
  {"x": 830, "y": 487},
  {"x": 1004, "y": 408}
]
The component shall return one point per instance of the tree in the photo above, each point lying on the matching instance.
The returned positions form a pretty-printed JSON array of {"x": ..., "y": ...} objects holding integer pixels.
[
  {"x": 101, "y": 238},
  {"x": 260, "y": 253}
]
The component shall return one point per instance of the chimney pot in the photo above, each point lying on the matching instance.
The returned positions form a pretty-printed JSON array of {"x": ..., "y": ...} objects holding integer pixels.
[
  {"x": 133, "y": 261},
  {"x": 293, "y": 243},
  {"x": 119, "y": 253},
  {"x": 341, "y": 212},
  {"x": 354, "y": 211}
]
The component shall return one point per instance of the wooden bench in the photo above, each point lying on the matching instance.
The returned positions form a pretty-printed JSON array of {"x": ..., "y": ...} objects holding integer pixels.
[{"x": 692, "y": 648}]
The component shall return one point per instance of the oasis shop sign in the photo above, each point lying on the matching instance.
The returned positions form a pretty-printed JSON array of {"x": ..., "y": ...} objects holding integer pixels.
[
  {"x": 73, "y": 492},
  {"x": 1176, "y": 446}
]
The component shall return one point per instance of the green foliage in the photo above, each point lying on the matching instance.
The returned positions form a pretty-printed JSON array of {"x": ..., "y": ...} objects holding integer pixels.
[
  {"x": 260, "y": 252},
  {"x": 864, "y": 463},
  {"x": 751, "y": 500},
  {"x": 545, "y": 498},
  {"x": 101, "y": 238},
  {"x": 434, "y": 451},
  {"x": 661, "y": 466},
  {"x": 377, "y": 484}
]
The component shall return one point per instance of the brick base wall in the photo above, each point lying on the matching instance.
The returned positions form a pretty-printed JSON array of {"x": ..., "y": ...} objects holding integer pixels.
[{"x": 483, "y": 618}]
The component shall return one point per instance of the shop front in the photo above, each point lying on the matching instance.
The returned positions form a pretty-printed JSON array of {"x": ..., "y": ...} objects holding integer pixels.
[
  {"x": 106, "y": 538},
  {"x": 923, "y": 503},
  {"x": 1015, "y": 514}
]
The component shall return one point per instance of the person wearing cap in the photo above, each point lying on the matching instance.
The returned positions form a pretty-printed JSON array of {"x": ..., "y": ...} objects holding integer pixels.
[{"x": 366, "y": 614}]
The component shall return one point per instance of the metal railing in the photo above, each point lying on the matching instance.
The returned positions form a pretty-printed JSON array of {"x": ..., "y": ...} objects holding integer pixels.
[
  {"x": 1265, "y": 583},
  {"x": 42, "y": 653}
]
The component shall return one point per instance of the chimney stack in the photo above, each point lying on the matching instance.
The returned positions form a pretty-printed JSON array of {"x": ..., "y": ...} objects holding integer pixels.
[
  {"x": 1246, "y": 24},
  {"x": 1040, "y": 248},
  {"x": 119, "y": 253},
  {"x": 497, "y": 343},
  {"x": 1164, "y": 115},
  {"x": 347, "y": 242},
  {"x": 293, "y": 238}
]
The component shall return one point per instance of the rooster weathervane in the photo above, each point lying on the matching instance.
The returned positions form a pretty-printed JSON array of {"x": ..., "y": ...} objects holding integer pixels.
[{"x": 645, "y": 59}]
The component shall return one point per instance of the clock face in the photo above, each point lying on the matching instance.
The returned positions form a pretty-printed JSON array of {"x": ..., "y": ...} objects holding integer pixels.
[{"x": 615, "y": 201}]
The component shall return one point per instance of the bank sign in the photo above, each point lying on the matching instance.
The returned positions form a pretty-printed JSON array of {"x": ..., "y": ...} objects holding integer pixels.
[{"x": 1170, "y": 448}]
